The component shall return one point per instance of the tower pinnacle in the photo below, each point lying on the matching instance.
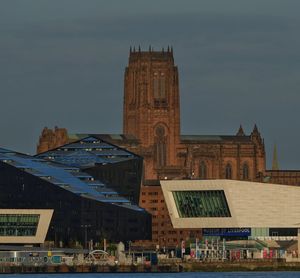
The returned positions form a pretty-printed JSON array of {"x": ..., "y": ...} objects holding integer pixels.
[{"x": 240, "y": 131}]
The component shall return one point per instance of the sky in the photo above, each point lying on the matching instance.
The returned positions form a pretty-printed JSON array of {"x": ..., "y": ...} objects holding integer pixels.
[{"x": 62, "y": 64}]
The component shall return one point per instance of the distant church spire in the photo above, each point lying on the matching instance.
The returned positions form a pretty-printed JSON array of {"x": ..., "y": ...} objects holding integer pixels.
[
  {"x": 275, "y": 159},
  {"x": 240, "y": 131},
  {"x": 255, "y": 129}
]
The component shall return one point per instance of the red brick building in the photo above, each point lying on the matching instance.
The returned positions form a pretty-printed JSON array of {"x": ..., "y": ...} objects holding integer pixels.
[{"x": 151, "y": 128}]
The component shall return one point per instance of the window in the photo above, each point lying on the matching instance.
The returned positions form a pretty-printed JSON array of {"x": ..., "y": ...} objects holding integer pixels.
[
  {"x": 208, "y": 203},
  {"x": 228, "y": 171},
  {"x": 156, "y": 86},
  {"x": 245, "y": 171},
  {"x": 160, "y": 146},
  {"x": 162, "y": 86},
  {"x": 18, "y": 224},
  {"x": 159, "y": 89},
  {"x": 202, "y": 170}
]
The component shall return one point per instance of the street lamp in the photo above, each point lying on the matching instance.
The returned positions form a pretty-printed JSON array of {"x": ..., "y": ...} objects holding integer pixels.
[
  {"x": 55, "y": 235},
  {"x": 85, "y": 226}
]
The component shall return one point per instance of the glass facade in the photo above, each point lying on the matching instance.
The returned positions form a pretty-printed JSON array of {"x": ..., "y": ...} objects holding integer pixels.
[
  {"x": 18, "y": 224},
  {"x": 75, "y": 218},
  {"x": 112, "y": 166},
  {"x": 209, "y": 203}
]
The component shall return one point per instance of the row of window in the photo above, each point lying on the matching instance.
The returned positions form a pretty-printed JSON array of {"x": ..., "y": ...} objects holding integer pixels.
[
  {"x": 162, "y": 224},
  {"x": 169, "y": 240},
  {"x": 18, "y": 231},
  {"x": 228, "y": 171},
  {"x": 153, "y": 201},
  {"x": 18, "y": 219},
  {"x": 173, "y": 232},
  {"x": 150, "y": 193}
]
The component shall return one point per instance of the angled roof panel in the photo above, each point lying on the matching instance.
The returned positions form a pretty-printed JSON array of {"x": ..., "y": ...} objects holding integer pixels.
[
  {"x": 66, "y": 177},
  {"x": 88, "y": 152}
]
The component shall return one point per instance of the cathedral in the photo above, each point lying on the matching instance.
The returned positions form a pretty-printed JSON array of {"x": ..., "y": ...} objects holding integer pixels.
[{"x": 151, "y": 129}]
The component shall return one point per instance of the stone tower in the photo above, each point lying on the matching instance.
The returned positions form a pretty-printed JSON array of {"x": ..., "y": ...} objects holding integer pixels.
[{"x": 151, "y": 103}]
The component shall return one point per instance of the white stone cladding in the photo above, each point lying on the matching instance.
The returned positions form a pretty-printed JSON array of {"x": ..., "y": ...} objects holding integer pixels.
[{"x": 251, "y": 204}]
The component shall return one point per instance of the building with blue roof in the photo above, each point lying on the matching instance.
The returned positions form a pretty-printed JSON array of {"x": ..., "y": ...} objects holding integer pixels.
[
  {"x": 84, "y": 208},
  {"x": 104, "y": 161}
]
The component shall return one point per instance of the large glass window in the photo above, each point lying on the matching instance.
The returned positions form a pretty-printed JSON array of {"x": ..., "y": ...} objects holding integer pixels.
[
  {"x": 209, "y": 203},
  {"x": 18, "y": 224}
]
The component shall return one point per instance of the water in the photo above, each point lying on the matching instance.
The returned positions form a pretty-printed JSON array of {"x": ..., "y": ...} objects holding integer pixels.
[{"x": 282, "y": 274}]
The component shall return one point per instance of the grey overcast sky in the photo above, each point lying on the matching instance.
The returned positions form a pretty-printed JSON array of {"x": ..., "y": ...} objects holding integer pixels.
[{"x": 62, "y": 63}]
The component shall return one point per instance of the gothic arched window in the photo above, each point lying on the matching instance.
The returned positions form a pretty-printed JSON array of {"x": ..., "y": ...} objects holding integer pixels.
[
  {"x": 245, "y": 171},
  {"x": 159, "y": 88},
  {"x": 202, "y": 170},
  {"x": 160, "y": 145},
  {"x": 228, "y": 171}
]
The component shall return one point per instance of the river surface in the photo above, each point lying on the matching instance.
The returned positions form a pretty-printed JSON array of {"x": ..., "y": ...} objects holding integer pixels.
[{"x": 282, "y": 274}]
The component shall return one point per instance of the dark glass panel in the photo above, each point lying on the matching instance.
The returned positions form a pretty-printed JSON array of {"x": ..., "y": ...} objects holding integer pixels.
[
  {"x": 18, "y": 224},
  {"x": 209, "y": 203}
]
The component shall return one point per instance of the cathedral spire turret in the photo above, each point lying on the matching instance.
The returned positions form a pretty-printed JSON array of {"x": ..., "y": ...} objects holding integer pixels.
[
  {"x": 256, "y": 137},
  {"x": 255, "y": 133},
  {"x": 255, "y": 129},
  {"x": 240, "y": 131}
]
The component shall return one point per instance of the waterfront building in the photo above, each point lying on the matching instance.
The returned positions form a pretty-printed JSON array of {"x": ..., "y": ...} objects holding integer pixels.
[
  {"x": 119, "y": 168},
  {"x": 83, "y": 207},
  {"x": 234, "y": 209},
  {"x": 151, "y": 129},
  {"x": 24, "y": 226}
]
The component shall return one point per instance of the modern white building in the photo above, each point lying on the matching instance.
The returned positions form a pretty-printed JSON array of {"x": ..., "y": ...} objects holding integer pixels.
[
  {"x": 264, "y": 209},
  {"x": 24, "y": 226}
]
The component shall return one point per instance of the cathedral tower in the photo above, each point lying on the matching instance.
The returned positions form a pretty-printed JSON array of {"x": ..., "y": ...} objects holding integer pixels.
[{"x": 151, "y": 103}]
